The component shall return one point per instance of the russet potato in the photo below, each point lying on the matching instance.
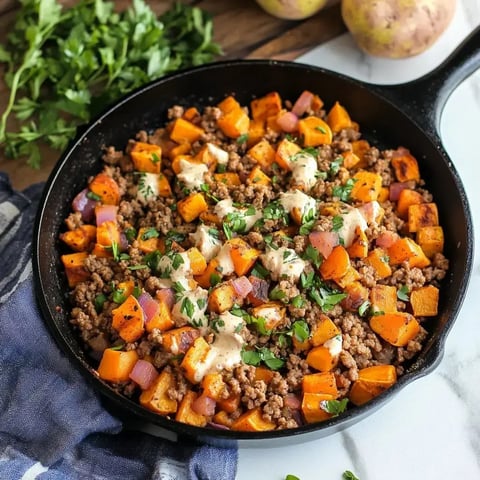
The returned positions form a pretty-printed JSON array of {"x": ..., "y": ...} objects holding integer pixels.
[
  {"x": 397, "y": 28},
  {"x": 292, "y": 9}
]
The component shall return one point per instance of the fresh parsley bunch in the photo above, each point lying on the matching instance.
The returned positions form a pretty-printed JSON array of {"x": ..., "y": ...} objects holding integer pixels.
[{"x": 63, "y": 66}]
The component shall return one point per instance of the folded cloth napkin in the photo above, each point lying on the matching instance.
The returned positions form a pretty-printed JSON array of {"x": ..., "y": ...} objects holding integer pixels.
[{"x": 52, "y": 424}]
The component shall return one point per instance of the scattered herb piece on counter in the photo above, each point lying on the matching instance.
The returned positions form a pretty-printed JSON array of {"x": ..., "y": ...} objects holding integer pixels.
[
  {"x": 348, "y": 475},
  {"x": 291, "y": 477},
  {"x": 58, "y": 78}
]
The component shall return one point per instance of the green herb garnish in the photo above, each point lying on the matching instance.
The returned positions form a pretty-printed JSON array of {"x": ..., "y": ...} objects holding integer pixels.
[
  {"x": 99, "y": 301},
  {"x": 255, "y": 357},
  {"x": 403, "y": 293},
  {"x": 343, "y": 192},
  {"x": 65, "y": 65},
  {"x": 334, "y": 407}
]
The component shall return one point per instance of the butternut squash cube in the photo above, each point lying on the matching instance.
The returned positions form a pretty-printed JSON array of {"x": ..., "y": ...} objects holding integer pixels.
[
  {"x": 396, "y": 328},
  {"x": 312, "y": 408},
  {"x": 192, "y": 206},
  {"x": 424, "y": 301},
  {"x": 431, "y": 240},
  {"x": 115, "y": 366},
  {"x": 371, "y": 382},
  {"x": 146, "y": 157},
  {"x": 185, "y": 412},
  {"x": 422, "y": 215},
  {"x": 156, "y": 399},
  {"x": 252, "y": 421},
  {"x": 75, "y": 270}
]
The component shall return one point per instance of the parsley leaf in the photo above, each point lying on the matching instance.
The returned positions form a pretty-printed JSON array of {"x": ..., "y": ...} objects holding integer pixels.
[
  {"x": 254, "y": 357},
  {"x": 150, "y": 233},
  {"x": 403, "y": 293},
  {"x": 98, "y": 302},
  {"x": 343, "y": 192},
  {"x": 334, "y": 407},
  {"x": 300, "y": 330},
  {"x": 337, "y": 223},
  {"x": 348, "y": 475},
  {"x": 313, "y": 255}
]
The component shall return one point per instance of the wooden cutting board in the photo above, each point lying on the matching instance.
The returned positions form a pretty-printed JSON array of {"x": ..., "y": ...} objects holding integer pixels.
[{"x": 242, "y": 29}]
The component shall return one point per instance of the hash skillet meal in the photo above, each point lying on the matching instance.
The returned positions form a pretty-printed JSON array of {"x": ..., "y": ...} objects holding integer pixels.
[{"x": 253, "y": 267}]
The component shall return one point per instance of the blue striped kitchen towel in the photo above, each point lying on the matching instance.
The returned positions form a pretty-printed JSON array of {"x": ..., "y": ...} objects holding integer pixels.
[{"x": 52, "y": 425}]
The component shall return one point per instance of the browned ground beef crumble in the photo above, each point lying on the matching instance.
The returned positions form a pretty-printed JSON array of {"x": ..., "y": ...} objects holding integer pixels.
[{"x": 361, "y": 346}]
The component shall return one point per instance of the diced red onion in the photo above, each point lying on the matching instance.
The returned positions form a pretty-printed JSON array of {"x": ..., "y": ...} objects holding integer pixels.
[
  {"x": 144, "y": 374},
  {"x": 259, "y": 293},
  {"x": 218, "y": 426},
  {"x": 292, "y": 401},
  {"x": 288, "y": 122},
  {"x": 324, "y": 242},
  {"x": 166, "y": 295},
  {"x": 149, "y": 306},
  {"x": 84, "y": 205},
  {"x": 396, "y": 188},
  {"x": 242, "y": 286},
  {"x": 386, "y": 239},
  {"x": 204, "y": 405},
  {"x": 297, "y": 416},
  {"x": 303, "y": 103},
  {"x": 105, "y": 213},
  {"x": 123, "y": 242}
]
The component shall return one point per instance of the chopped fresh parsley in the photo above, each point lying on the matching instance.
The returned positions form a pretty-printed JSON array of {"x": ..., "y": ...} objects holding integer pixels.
[
  {"x": 216, "y": 323},
  {"x": 308, "y": 221},
  {"x": 93, "y": 196},
  {"x": 320, "y": 129},
  {"x": 152, "y": 259},
  {"x": 364, "y": 308},
  {"x": 118, "y": 295},
  {"x": 215, "y": 279},
  {"x": 242, "y": 138},
  {"x": 277, "y": 294},
  {"x": 348, "y": 475},
  {"x": 318, "y": 291},
  {"x": 173, "y": 236},
  {"x": 155, "y": 158},
  {"x": 177, "y": 260},
  {"x": 275, "y": 211},
  {"x": 260, "y": 271},
  {"x": 343, "y": 192},
  {"x": 291, "y": 477},
  {"x": 311, "y": 254},
  {"x": 150, "y": 233},
  {"x": 298, "y": 301},
  {"x": 255, "y": 357},
  {"x": 334, "y": 407},
  {"x": 120, "y": 346},
  {"x": 337, "y": 223},
  {"x": 236, "y": 222},
  {"x": 300, "y": 330},
  {"x": 335, "y": 166},
  {"x": 403, "y": 293},
  {"x": 187, "y": 308},
  {"x": 130, "y": 234},
  {"x": 99, "y": 301}
]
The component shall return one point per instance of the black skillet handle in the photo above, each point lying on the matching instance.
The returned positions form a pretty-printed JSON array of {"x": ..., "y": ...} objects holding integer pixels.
[{"x": 423, "y": 99}]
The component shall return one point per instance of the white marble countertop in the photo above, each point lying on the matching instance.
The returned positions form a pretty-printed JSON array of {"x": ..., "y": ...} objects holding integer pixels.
[{"x": 431, "y": 429}]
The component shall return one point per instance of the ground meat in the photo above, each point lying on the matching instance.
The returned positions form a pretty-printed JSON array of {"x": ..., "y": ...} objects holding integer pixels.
[{"x": 271, "y": 379}]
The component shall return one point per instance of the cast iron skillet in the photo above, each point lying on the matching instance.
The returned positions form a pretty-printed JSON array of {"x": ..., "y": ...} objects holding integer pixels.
[{"x": 405, "y": 115}]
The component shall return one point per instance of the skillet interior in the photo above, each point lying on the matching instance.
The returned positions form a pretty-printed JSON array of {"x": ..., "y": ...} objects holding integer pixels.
[{"x": 381, "y": 122}]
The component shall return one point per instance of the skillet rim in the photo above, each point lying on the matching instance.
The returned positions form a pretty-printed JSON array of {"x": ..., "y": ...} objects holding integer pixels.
[{"x": 353, "y": 414}]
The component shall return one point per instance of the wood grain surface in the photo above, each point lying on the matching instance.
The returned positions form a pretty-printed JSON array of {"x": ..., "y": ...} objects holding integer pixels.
[{"x": 242, "y": 29}]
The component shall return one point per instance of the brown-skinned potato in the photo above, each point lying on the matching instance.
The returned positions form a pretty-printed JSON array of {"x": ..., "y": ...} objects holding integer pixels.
[{"x": 397, "y": 28}]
